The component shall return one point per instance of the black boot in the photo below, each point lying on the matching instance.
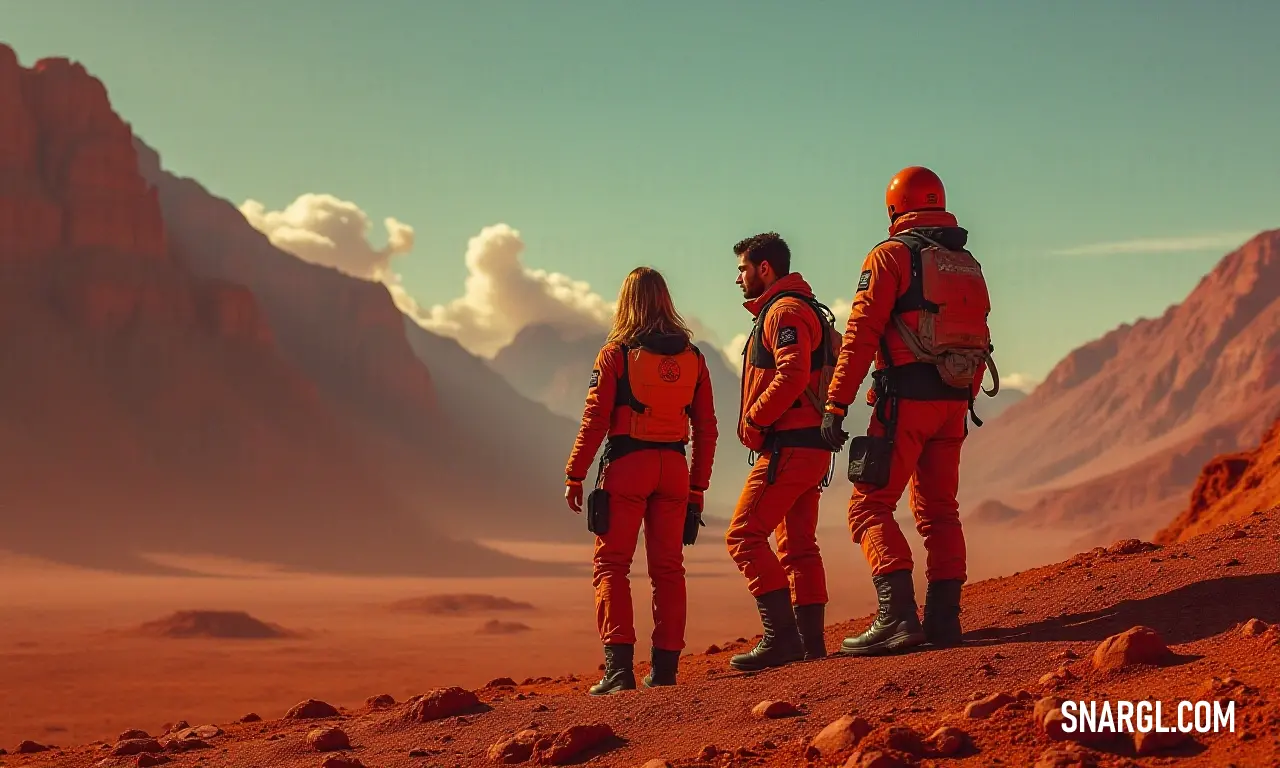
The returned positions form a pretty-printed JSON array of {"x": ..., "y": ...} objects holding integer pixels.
[
  {"x": 942, "y": 613},
  {"x": 663, "y": 668},
  {"x": 618, "y": 675},
  {"x": 781, "y": 642},
  {"x": 811, "y": 623},
  {"x": 896, "y": 626}
]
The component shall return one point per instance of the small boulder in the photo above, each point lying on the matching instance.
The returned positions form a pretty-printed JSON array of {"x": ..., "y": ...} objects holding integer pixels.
[
  {"x": 381, "y": 701},
  {"x": 178, "y": 726},
  {"x": 199, "y": 732},
  {"x": 147, "y": 760},
  {"x": 1154, "y": 742},
  {"x": 31, "y": 748},
  {"x": 345, "y": 761},
  {"x": 136, "y": 747},
  {"x": 516, "y": 749},
  {"x": 328, "y": 739},
  {"x": 1068, "y": 756},
  {"x": 841, "y": 734},
  {"x": 711, "y": 651},
  {"x": 252, "y": 717},
  {"x": 878, "y": 758},
  {"x": 984, "y": 708},
  {"x": 1044, "y": 707},
  {"x": 500, "y": 682},
  {"x": 947, "y": 741},
  {"x": 133, "y": 734},
  {"x": 571, "y": 743},
  {"x": 1058, "y": 678},
  {"x": 774, "y": 709},
  {"x": 185, "y": 745},
  {"x": 1253, "y": 628},
  {"x": 1139, "y": 645},
  {"x": 311, "y": 709},
  {"x": 441, "y": 703},
  {"x": 894, "y": 738}
]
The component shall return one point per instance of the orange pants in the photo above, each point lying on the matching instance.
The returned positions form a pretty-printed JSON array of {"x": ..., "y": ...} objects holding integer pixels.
[
  {"x": 926, "y": 453},
  {"x": 789, "y": 510},
  {"x": 650, "y": 487}
]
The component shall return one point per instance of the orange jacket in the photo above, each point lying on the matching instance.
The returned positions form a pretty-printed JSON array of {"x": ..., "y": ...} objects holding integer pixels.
[
  {"x": 775, "y": 397},
  {"x": 886, "y": 276},
  {"x": 602, "y": 418}
]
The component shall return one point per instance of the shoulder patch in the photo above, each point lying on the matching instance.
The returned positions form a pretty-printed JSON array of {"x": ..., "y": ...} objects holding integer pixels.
[
  {"x": 786, "y": 337},
  {"x": 595, "y": 379},
  {"x": 864, "y": 280}
]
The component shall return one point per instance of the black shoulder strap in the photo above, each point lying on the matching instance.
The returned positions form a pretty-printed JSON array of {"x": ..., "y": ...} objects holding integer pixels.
[
  {"x": 913, "y": 299},
  {"x": 761, "y": 356}
]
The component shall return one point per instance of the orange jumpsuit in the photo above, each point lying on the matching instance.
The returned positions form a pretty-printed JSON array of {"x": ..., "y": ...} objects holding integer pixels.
[
  {"x": 785, "y": 504},
  {"x": 930, "y": 432},
  {"x": 649, "y": 487}
]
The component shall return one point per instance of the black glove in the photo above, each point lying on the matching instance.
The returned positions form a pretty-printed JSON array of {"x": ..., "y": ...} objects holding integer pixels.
[
  {"x": 831, "y": 431},
  {"x": 693, "y": 518}
]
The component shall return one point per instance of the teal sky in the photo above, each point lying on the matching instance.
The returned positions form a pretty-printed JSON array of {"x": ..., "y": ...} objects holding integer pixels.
[{"x": 612, "y": 134}]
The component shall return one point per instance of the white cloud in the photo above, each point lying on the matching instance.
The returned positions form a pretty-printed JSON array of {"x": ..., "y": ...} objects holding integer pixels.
[
  {"x": 1017, "y": 381},
  {"x": 501, "y": 296},
  {"x": 323, "y": 229},
  {"x": 1209, "y": 242}
]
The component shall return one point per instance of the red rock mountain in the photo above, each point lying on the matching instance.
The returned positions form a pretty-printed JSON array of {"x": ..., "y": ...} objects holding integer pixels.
[
  {"x": 1113, "y": 441},
  {"x": 172, "y": 383},
  {"x": 1231, "y": 488}
]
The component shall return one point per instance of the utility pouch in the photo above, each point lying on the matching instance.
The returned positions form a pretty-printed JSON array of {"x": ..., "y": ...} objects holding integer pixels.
[
  {"x": 598, "y": 512},
  {"x": 869, "y": 459}
]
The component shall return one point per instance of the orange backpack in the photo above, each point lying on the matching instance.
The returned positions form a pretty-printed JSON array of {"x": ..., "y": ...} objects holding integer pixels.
[
  {"x": 659, "y": 389},
  {"x": 950, "y": 293}
]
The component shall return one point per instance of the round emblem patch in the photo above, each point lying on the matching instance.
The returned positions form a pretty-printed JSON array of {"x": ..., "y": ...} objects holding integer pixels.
[{"x": 669, "y": 370}]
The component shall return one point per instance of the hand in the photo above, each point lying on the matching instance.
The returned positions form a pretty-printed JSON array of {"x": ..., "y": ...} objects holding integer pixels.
[
  {"x": 752, "y": 436},
  {"x": 573, "y": 495},
  {"x": 693, "y": 517},
  {"x": 834, "y": 436}
]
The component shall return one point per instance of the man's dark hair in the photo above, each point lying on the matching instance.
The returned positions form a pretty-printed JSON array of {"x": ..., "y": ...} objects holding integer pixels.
[{"x": 766, "y": 247}]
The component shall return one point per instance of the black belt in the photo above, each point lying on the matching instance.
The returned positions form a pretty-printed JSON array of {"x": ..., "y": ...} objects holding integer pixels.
[
  {"x": 916, "y": 381},
  {"x": 806, "y": 437},
  {"x": 621, "y": 445}
]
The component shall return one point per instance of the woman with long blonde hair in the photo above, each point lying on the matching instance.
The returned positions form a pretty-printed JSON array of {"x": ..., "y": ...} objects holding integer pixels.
[{"x": 649, "y": 394}]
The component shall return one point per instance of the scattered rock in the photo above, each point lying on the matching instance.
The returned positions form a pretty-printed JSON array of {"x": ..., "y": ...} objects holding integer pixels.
[
  {"x": 1138, "y": 645},
  {"x": 712, "y": 650},
  {"x": 1068, "y": 655},
  {"x": 199, "y": 732},
  {"x": 657, "y": 763},
  {"x": 342, "y": 762},
  {"x": 133, "y": 734},
  {"x": 185, "y": 745},
  {"x": 252, "y": 717},
  {"x": 1237, "y": 534},
  {"x": 1154, "y": 742},
  {"x": 442, "y": 703},
  {"x": 1058, "y": 678},
  {"x": 1233, "y": 562},
  {"x": 1044, "y": 707},
  {"x": 571, "y": 743},
  {"x": 136, "y": 747},
  {"x": 31, "y": 748},
  {"x": 1131, "y": 547},
  {"x": 328, "y": 739},
  {"x": 947, "y": 741},
  {"x": 1253, "y": 628},
  {"x": 500, "y": 682},
  {"x": 147, "y": 760},
  {"x": 841, "y": 734},
  {"x": 878, "y": 758},
  {"x": 178, "y": 726},
  {"x": 1023, "y": 695},
  {"x": 774, "y": 709},
  {"x": 895, "y": 738},
  {"x": 1069, "y": 756},
  {"x": 381, "y": 701},
  {"x": 516, "y": 749},
  {"x": 311, "y": 709},
  {"x": 984, "y": 708}
]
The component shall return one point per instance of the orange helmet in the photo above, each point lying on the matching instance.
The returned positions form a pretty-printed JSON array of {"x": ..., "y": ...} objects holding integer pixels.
[{"x": 914, "y": 189}]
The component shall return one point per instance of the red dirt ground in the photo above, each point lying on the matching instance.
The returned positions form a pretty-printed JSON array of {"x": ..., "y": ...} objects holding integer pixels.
[{"x": 1197, "y": 595}]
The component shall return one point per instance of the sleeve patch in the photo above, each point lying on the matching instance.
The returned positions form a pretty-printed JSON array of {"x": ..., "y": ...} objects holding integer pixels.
[
  {"x": 595, "y": 379},
  {"x": 786, "y": 336},
  {"x": 864, "y": 281}
]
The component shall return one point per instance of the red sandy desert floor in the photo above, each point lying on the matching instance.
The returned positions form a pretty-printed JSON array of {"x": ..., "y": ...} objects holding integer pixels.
[{"x": 1197, "y": 595}]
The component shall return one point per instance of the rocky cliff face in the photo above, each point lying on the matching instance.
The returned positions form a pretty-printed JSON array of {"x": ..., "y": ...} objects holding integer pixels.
[
  {"x": 1116, "y": 434},
  {"x": 1230, "y": 488},
  {"x": 146, "y": 406}
]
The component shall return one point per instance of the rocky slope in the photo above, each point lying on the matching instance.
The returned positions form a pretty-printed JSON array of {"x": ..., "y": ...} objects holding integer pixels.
[
  {"x": 148, "y": 405},
  {"x": 1230, "y": 488},
  {"x": 1114, "y": 439},
  {"x": 1190, "y": 621}
]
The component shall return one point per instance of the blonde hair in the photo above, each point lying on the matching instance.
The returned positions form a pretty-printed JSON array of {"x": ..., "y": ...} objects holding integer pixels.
[{"x": 645, "y": 307}]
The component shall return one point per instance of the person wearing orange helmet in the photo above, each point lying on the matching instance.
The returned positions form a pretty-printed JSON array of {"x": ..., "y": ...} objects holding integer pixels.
[
  {"x": 920, "y": 312},
  {"x": 650, "y": 392}
]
